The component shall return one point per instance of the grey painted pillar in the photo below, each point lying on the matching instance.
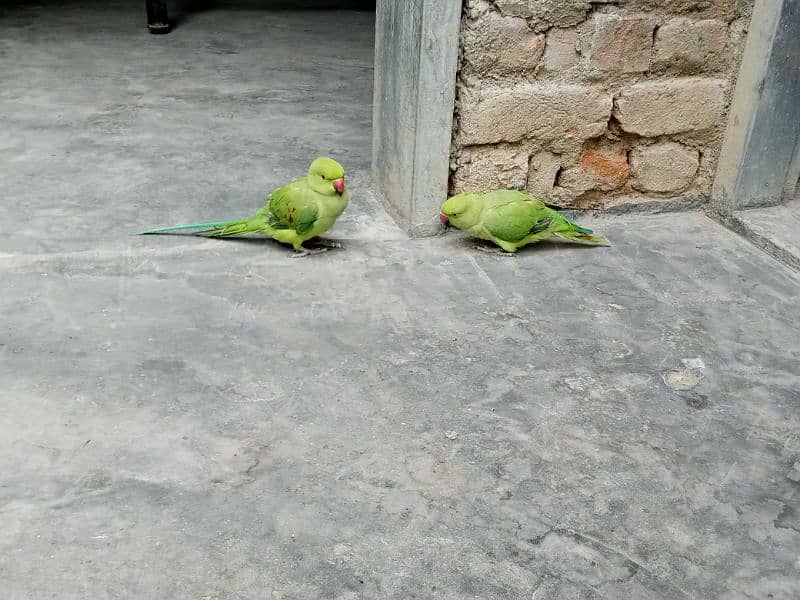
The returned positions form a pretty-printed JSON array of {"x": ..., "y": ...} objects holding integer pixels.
[
  {"x": 759, "y": 160},
  {"x": 416, "y": 56}
]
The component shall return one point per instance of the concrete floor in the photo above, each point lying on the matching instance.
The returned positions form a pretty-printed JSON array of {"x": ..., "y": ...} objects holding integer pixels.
[
  {"x": 775, "y": 229},
  {"x": 186, "y": 418}
]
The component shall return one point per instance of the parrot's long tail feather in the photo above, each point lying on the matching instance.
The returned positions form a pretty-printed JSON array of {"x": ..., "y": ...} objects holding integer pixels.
[
  {"x": 213, "y": 228},
  {"x": 581, "y": 235}
]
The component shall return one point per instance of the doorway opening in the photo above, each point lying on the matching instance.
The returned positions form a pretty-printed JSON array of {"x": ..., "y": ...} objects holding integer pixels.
[{"x": 415, "y": 61}]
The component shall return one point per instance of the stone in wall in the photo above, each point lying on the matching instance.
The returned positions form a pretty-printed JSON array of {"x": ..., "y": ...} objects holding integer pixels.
[
  {"x": 501, "y": 45},
  {"x": 546, "y": 13},
  {"x": 602, "y": 166},
  {"x": 688, "y": 46},
  {"x": 663, "y": 167},
  {"x": 621, "y": 44},
  {"x": 550, "y": 112},
  {"x": 542, "y": 171},
  {"x": 475, "y": 9},
  {"x": 608, "y": 165},
  {"x": 560, "y": 49},
  {"x": 670, "y": 106},
  {"x": 485, "y": 168},
  {"x": 721, "y": 9}
]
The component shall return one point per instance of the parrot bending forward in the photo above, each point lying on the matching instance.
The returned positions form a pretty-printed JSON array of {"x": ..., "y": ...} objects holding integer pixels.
[
  {"x": 511, "y": 219},
  {"x": 304, "y": 208}
]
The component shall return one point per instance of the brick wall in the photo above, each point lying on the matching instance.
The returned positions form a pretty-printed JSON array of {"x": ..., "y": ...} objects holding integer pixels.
[{"x": 595, "y": 104}]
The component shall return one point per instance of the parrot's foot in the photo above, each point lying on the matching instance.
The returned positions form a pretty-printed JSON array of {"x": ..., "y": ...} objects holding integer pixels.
[
  {"x": 328, "y": 243},
  {"x": 492, "y": 250},
  {"x": 308, "y": 252}
]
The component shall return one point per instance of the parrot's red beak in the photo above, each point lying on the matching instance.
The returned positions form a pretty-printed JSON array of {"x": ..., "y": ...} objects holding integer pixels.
[
  {"x": 338, "y": 185},
  {"x": 443, "y": 219}
]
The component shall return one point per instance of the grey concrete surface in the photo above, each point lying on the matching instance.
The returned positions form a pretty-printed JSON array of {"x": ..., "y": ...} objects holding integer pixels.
[
  {"x": 185, "y": 418},
  {"x": 775, "y": 229},
  {"x": 108, "y": 129}
]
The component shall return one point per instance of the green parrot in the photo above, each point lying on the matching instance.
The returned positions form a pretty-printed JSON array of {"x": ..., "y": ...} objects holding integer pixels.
[
  {"x": 304, "y": 208},
  {"x": 511, "y": 219}
]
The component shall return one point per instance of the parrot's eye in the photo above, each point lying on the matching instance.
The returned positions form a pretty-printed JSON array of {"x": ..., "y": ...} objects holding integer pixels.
[{"x": 323, "y": 176}]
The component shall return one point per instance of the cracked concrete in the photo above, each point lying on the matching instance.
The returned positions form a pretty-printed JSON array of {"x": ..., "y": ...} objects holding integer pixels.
[{"x": 189, "y": 418}]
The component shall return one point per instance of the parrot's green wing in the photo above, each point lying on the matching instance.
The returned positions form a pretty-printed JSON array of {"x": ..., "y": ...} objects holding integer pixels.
[
  {"x": 515, "y": 218},
  {"x": 293, "y": 206}
]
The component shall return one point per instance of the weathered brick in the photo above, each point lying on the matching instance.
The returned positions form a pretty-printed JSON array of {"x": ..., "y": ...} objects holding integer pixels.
[
  {"x": 656, "y": 108},
  {"x": 621, "y": 44},
  {"x": 542, "y": 172},
  {"x": 501, "y": 45},
  {"x": 688, "y": 46},
  {"x": 484, "y": 168},
  {"x": 722, "y": 9},
  {"x": 560, "y": 13},
  {"x": 608, "y": 165},
  {"x": 560, "y": 49},
  {"x": 548, "y": 112},
  {"x": 663, "y": 167},
  {"x": 474, "y": 9},
  {"x": 601, "y": 167},
  {"x": 573, "y": 181}
]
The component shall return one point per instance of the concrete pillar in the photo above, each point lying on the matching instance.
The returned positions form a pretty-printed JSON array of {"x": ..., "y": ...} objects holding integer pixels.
[
  {"x": 759, "y": 161},
  {"x": 416, "y": 56}
]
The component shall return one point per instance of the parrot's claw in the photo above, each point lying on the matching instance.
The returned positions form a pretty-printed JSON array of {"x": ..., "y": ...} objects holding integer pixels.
[
  {"x": 308, "y": 252},
  {"x": 497, "y": 251},
  {"x": 329, "y": 244}
]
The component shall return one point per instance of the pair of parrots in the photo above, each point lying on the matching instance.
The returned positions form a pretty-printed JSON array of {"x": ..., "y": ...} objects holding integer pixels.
[{"x": 308, "y": 206}]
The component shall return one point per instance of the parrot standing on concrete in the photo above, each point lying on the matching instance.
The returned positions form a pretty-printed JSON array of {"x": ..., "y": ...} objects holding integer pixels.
[
  {"x": 304, "y": 208},
  {"x": 511, "y": 219}
]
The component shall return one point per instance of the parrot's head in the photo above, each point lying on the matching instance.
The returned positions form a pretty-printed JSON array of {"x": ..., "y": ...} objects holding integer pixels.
[
  {"x": 326, "y": 176},
  {"x": 462, "y": 210}
]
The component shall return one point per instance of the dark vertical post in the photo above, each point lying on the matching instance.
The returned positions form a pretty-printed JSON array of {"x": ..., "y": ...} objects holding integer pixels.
[
  {"x": 157, "y": 20},
  {"x": 756, "y": 164}
]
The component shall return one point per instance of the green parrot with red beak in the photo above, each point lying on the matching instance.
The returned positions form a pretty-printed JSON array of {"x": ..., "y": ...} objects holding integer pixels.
[
  {"x": 294, "y": 213},
  {"x": 511, "y": 219}
]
